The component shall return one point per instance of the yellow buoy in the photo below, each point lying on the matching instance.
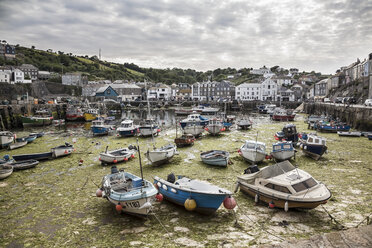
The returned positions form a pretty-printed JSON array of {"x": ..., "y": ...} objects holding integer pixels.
[{"x": 190, "y": 204}]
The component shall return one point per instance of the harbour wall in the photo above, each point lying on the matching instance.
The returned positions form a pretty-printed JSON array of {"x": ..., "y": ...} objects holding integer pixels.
[{"x": 358, "y": 116}]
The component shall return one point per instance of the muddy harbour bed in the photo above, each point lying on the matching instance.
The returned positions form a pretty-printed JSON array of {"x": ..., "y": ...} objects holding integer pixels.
[{"x": 54, "y": 204}]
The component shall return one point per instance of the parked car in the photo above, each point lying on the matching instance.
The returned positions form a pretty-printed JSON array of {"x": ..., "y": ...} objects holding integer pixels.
[
  {"x": 345, "y": 100},
  {"x": 368, "y": 102},
  {"x": 326, "y": 100},
  {"x": 352, "y": 100},
  {"x": 338, "y": 100}
]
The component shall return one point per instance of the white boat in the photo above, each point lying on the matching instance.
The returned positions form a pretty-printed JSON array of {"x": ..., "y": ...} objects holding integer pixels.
[
  {"x": 349, "y": 134},
  {"x": 193, "y": 129},
  {"x": 61, "y": 151},
  {"x": 5, "y": 170},
  {"x": 283, "y": 150},
  {"x": 194, "y": 119},
  {"x": 6, "y": 138},
  {"x": 205, "y": 109},
  {"x": 284, "y": 186},
  {"x": 161, "y": 155},
  {"x": 117, "y": 156},
  {"x": 127, "y": 128},
  {"x": 148, "y": 128},
  {"x": 253, "y": 151},
  {"x": 17, "y": 145},
  {"x": 215, "y": 126}
]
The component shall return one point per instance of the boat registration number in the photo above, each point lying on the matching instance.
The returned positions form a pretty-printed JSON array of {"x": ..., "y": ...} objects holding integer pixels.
[{"x": 133, "y": 204}]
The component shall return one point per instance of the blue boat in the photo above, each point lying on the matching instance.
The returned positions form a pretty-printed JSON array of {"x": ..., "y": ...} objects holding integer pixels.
[
  {"x": 100, "y": 128},
  {"x": 196, "y": 119},
  {"x": 314, "y": 146},
  {"x": 332, "y": 127},
  {"x": 127, "y": 129},
  {"x": 200, "y": 196},
  {"x": 283, "y": 151},
  {"x": 215, "y": 157},
  {"x": 29, "y": 138}
]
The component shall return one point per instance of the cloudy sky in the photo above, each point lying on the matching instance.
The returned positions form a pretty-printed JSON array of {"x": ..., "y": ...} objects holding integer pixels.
[{"x": 315, "y": 35}]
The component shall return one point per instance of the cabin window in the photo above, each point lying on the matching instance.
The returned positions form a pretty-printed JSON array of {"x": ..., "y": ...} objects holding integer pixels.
[
  {"x": 278, "y": 188},
  {"x": 310, "y": 140},
  {"x": 287, "y": 146},
  {"x": 276, "y": 148},
  {"x": 316, "y": 141},
  {"x": 307, "y": 184}
]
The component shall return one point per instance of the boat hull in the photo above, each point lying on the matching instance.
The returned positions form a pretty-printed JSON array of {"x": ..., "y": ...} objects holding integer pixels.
[
  {"x": 283, "y": 155},
  {"x": 283, "y": 117},
  {"x": 333, "y": 129},
  {"x": 6, "y": 140},
  {"x": 252, "y": 156},
  {"x": 36, "y": 121},
  {"x": 160, "y": 157},
  {"x": 62, "y": 151},
  {"x": 17, "y": 145},
  {"x": 100, "y": 130},
  {"x": 90, "y": 117},
  {"x": 314, "y": 151},
  {"x": 23, "y": 165},
  {"x": 5, "y": 172},
  {"x": 127, "y": 133},
  {"x": 194, "y": 130},
  {"x": 214, "y": 129},
  {"x": 108, "y": 158},
  {"x": 147, "y": 131},
  {"x": 35, "y": 156}
]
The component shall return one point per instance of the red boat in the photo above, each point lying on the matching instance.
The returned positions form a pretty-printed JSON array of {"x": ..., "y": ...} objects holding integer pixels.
[
  {"x": 283, "y": 115},
  {"x": 74, "y": 114}
]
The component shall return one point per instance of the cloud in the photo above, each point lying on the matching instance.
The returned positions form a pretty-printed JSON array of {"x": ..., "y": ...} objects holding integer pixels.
[{"x": 314, "y": 35}]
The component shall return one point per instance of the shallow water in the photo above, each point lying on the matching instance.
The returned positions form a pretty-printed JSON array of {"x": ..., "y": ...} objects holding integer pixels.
[{"x": 54, "y": 204}]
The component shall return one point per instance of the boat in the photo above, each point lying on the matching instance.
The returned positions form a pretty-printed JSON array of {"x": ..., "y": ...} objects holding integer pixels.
[
  {"x": 55, "y": 152},
  {"x": 117, "y": 156},
  {"x": 5, "y": 170},
  {"x": 194, "y": 119},
  {"x": 253, "y": 151},
  {"x": 349, "y": 134},
  {"x": 313, "y": 145},
  {"x": 17, "y": 145},
  {"x": 281, "y": 114},
  {"x": 148, "y": 128},
  {"x": 244, "y": 124},
  {"x": 290, "y": 133},
  {"x": 283, "y": 150},
  {"x": 228, "y": 121},
  {"x": 38, "y": 135},
  {"x": 127, "y": 129},
  {"x": 215, "y": 157},
  {"x": 6, "y": 138},
  {"x": 91, "y": 114},
  {"x": 332, "y": 127},
  {"x": 193, "y": 129},
  {"x": 28, "y": 138},
  {"x": 129, "y": 193},
  {"x": 215, "y": 126},
  {"x": 280, "y": 135},
  {"x": 312, "y": 119},
  {"x": 284, "y": 186},
  {"x": 270, "y": 108},
  {"x": 184, "y": 140},
  {"x": 36, "y": 120},
  {"x": 23, "y": 165},
  {"x": 205, "y": 109},
  {"x": 161, "y": 155},
  {"x": 193, "y": 194},
  {"x": 369, "y": 136},
  {"x": 99, "y": 127},
  {"x": 183, "y": 111},
  {"x": 74, "y": 114}
]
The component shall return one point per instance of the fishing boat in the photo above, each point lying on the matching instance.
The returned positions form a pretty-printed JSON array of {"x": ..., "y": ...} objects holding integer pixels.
[
  {"x": 23, "y": 165},
  {"x": 194, "y": 119},
  {"x": 253, "y": 151},
  {"x": 205, "y": 110},
  {"x": 74, "y": 114},
  {"x": 148, "y": 128},
  {"x": 6, "y": 138},
  {"x": 349, "y": 134},
  {"x": 193, "y": 194},
  {"x": 284, "y": 186},
  {"x": 127, "y": 129},
  {"x": 283, "y": 151},
  {"x": 36, "y": 120},
  {"x": 215, "y": 126},
  {"x": 281, "y": 114},
  {"x": 117, "y": 156},
  {"x": 158, "y": 156},
  {"x": 244, "y": 124},
  {"x": 290, "y": 133},
  {"x": 215, "y": 157},
  {"x": 184, "y": 140},
  {"x": 129, "y": 193},
  {"x": 28, "y": 138},
  {"x": 100, "y": 128},
  {"x": 270, "y": 108},
  {"x": 5, "y": 170},
  {"x": 332, "y": 127},
  {"x": 91, "y": 114},
  {"x": 313, "y": 145},
  {"x": 55, "y": 152},
  {"x": 17, "y": 145},
  {"x": 228, "y": 121},
  {"x": 193, "y": 129}
]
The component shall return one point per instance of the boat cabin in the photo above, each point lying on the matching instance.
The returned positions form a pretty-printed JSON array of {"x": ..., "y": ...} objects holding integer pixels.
[
  {"x": 126, "y": 124},
  {"x": 92, "y": 111},
  {"x": 282, "y": 146},
  {"x": 253, "y": 145},
  {"x": 315, "y": 140},
  {"x": 214, "y": 121},
  {"x": 98, "y": 123}
]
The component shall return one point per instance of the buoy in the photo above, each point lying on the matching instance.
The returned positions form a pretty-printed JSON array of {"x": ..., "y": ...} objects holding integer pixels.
[
  {"x": 271, "y": 204},
  {"x": 229, "y": 202},
  {"x": 206, "y": 129},
  {"x": 190, "y": 204},
  {"x": 256, "y": 198},
  {"x": 236, "y": 187},
  {"x": 267, "y": 157},
  {"x": 99, "y": 193},
  {"x": 99, "y": 159},
  {"x": 66, "y": 151},
  {"x": 125, "y": 159},
  {"x": 286, "y": 206},
  {"x": 117, "y": 135},
  {"x": 239, "y": 151},
  {"x": 132, "y": 156},
  {"x": 159, "y": 197},
  {"x": 305, "y": 147},
  {"x": 81, "y": 161},
  {"x": 115, "y": 161},
  {"x": 119, "y": 207}
]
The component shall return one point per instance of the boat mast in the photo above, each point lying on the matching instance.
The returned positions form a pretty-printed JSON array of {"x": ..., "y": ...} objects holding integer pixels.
[{"x": 140, "y": 161}]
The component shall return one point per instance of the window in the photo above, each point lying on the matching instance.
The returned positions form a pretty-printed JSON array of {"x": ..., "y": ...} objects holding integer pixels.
[
  {"x": 278, "y": 188},
  {"x": 307, "y": 184}
]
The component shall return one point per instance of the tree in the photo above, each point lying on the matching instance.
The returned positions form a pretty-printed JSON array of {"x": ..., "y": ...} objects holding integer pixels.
[{"x": 32, "y": 47}]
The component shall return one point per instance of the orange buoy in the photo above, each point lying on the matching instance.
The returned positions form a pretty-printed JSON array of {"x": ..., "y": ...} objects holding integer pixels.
[{"x": 229, "y": 202}]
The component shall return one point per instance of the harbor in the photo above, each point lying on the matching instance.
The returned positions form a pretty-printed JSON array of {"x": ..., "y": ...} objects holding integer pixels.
[{"x": 55, "y": 203}]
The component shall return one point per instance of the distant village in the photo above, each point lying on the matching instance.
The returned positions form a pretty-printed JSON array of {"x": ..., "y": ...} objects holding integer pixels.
[{"x": 269, "y": 86}]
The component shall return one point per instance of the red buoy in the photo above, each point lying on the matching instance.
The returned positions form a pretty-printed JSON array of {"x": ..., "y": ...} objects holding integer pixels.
[
  {"x": 99, "y": 159},
  {"x": 115, "y": 161},
  {"x": 125, "y": 159},
  {"x": 99, "y": 193},
  {"x": 229, "y": 202},
  {"x": 66, "y": 151},
  {"x": 271, "y": 204},
  {"x": 132, "y": 156},
  {"x": 159, "y": 197},
  {"x": 206, "y": 129},
  {"x": 81, "y": 161},
  {"x": 119, "y": 207}
]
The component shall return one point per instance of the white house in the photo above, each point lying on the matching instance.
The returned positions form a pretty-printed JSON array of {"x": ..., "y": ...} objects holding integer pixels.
[
  {"x": 261, "y": 71},
  {"x": 127, "y": 91},
  {"x": 5, "y": 76},
  {"x": 286, "y": 95},
  {"x": 164, "y": 92},
  {"x": 269, "y": 90},
  {"x": 283, "y": 80},
  {"x": 19, "y": 76},
  {"x": 248, "y": 92}
]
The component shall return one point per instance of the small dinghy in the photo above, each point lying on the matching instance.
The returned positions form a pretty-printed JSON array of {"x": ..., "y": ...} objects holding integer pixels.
[
  {"x": 284, "y": 186},
  {"x": 23, "y": 165},
  {"x": 118, "y": 155},
  {"x": 244, "y": 124},
  {"x": 17, "y": 145},
  {"x": 215, "y": 157},
  {"x": 5, "y": 170},
  {"x": 161, "y": 155},
  {"x": 194, "y": 195},
  {"x": 55, "y": 152},
  {"x": 184, "y": 140},
  {"x": 28, "y": 139},
  {"x": 129, "y": 193},
  {"x": 283, "y": 151},
  {"x": 253, "y": 151},
  {"x": 349, "y": 134}
]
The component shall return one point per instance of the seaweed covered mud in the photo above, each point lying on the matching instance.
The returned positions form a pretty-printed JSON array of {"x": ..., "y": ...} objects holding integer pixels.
[{"x": 54, "y": 204}]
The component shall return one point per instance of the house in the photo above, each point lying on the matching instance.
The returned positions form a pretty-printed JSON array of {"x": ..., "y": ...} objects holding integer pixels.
[
  {"x": 321, "y": 88},
  {"x": 248, "y": 92},
  {"x": 90, "y": 90},
  {"x": 283, "y": 80},
  {"x": 310, "y": 94},
  {"x": 212, "y": 91},
  {"x": 293, "y": 71},
  {"x": 263, "y": 70},
  {"x": 127, "y": 91},
  {"x": 285, "y": 95},
  {"x": 5, "y": 76},
  {"x": 106, "y": 92},
  {"x": 30, "y": 71},
  {"x": 298, "y": 92},
  {"x": 152, "y": 93},
  {"x": 75, "y": 78},
  {"x": 10, "y": 52},
  {"x": 44, "y": 75},
  {"x": 164, "y": 92},
  {"x": 269, "y": 90},
  {"x": 18, "y": 76}
]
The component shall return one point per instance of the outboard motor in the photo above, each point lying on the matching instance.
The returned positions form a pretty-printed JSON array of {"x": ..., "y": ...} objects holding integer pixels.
[
  {"x": 114, "y": 169},
  {"x": 171, "y": 178},
  {"x": 251, "y": 169}
]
